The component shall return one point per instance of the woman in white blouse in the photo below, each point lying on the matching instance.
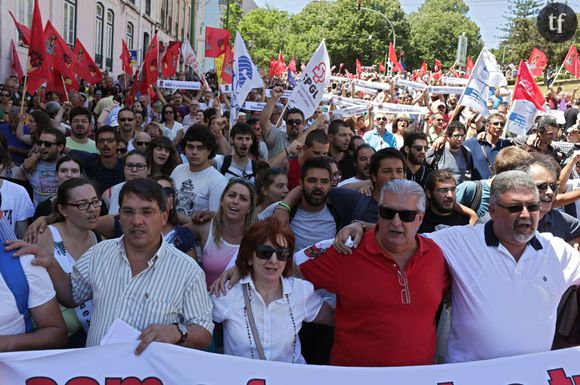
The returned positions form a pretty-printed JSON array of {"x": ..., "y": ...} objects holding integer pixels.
[
  {"x": 275, "y": 302},
  {"x": 171, "y": 127}
]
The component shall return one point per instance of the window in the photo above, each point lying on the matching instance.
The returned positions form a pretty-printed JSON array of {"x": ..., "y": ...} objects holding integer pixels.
[
  {"x": 130, "y": 31},
  {"x": 169, "y": 25},
  {"x": 145, "y": 44},
  {"x": 109, "y": 40},
  {"x": 25, "y": 9},
  {"x": 148, "y": 7},
  {"x": 164, "y": 14},
  {"x": 99, "y": 35},
  {"x": 70, "y": 21}
]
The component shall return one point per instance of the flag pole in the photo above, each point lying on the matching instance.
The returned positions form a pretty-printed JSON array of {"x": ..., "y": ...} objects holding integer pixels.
[
  {"x": 23, "y": 96},
  {"x": 64, "y": 87},
  {"x": 556, "y": 77},
  {"x": 281, "y": 114}
]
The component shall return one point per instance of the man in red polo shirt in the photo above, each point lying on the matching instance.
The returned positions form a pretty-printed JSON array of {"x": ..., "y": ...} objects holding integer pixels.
[{"x": 388, "y": 290}]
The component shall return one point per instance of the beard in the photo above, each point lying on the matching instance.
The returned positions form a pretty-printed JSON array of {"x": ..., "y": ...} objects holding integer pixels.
[
  {"x": 440, "y": 207},
  {"x": 523, "y": 237},
  {"x": 315, "y": 199},
  {"x": 414, "y": 159}
]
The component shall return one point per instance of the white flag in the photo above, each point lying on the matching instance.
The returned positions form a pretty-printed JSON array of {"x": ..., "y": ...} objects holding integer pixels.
[
  {"x": 190, "y": 59},
  {"x": 245, "y": 77},
  {"x": 314, "y": 79},
  {"x": 485, "y": 74}
]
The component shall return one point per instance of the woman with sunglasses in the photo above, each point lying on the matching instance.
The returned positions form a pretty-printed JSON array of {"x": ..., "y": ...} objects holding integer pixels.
[
  {"x": 171, "y": 127},
  {"x": 137, "y": 165},
  {"x": 271, "y": 187},
  {"x": 69, "y": 237},
  {"x": 220, "y": 237},
  {"x": 164, "y": 156},
  {"x": 263, "y": 312}
]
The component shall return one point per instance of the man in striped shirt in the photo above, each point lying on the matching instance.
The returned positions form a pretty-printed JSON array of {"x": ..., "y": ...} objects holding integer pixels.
[{"x": 138, "y": 278}]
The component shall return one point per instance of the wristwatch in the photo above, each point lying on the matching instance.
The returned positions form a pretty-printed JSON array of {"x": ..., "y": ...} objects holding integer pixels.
[{"x": 182, "y": 330}]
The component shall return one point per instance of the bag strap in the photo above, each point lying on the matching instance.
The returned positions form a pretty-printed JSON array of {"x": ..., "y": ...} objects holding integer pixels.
[
  {"x": 15, "y": 278},
  {"x": 252, "y": 322},
  {"x": 477, "y": 196}
]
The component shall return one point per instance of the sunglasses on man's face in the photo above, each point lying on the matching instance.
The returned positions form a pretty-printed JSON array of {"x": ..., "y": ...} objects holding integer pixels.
[
  {"x": 266, "y": 251},
  {"x": 404, "y": 215}
]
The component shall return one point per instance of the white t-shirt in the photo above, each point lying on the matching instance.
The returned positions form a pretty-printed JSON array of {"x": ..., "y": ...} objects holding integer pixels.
[
  {"x": 198, "y": 191},
  {"x": 234, "y": 170},
  {"x": 40, "y": 292},
  {"x": 573, "y": 185},
  {"x": 275, "y": 323},
  {"x": 171, "y": 132},
  {"x": 16, "y": 203},
  {"x": 353, "y": 179},
  {"x": 114, "y": 198}
]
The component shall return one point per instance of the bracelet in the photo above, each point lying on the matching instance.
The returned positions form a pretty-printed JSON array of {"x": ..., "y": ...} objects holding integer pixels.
[
  {"x": 363, "y": 224},
  {"x": 284, "y": 206}
]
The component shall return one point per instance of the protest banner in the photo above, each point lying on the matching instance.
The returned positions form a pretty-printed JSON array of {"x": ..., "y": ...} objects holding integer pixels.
[
  {"x": 253, "y": 106},
  {"x": 286, "y": 94},
  {"x": 375, "y": 85},
  {"x": 178, "y": 84},
  {"x": 410, "y": 84},
  {"x": 167, "y": 364},
  {"x": 442, "y": 90},
  {"x": 448, "y": 80}
]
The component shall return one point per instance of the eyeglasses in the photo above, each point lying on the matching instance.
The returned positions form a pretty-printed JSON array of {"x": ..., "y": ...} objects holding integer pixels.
[
  {"x": 404, "y": 282},
  {"x": 457, "y": 136},
  {"x": 142, "y": 144},
  {"x": 169, "y": 191},
  {"x": 439, "y": 120},
  {"x": 419, "y": 148},
  {"x": 168, "y": 112},
  {"x": 543, "y": 187},
  {"x": 126, "y": 119},
  {"x": 498, "y": 124},
  {"x": 85, "y": 205},
  {"x": 532, "y": 207},
  {"x": 106, "y": 140},
  {"x": 45, "y": 143},
  {"x": 404, "y": 215},
  {"x": 121, "y": 151},
  {"x": 336, "y": 175},
  {"x": 445, "y": 190},
  {"x": 383, "y": 118},
  {"x": 135, "y": 166},
  {"x": 266, "y": 251},
  {"x": 294, "y": 122}
]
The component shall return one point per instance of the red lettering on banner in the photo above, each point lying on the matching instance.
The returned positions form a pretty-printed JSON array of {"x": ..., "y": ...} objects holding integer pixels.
[
  {"x": 108, "y": 381},
  {"x": 445, "y": 383},
  {"x": 256, "y": 381},
  {"x": 40, "y": 381},
  {"x": 133, "y": 381},
  {"x": 82, "y": 381},
  {"x": 558, "y": 377}
]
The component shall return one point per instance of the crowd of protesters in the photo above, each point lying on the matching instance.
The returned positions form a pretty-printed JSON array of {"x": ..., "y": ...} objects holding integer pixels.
[{"x": 218, "y": 235}]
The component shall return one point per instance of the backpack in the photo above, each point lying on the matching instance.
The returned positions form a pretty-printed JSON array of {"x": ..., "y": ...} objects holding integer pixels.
[
  {"x": 15, "y": 278},
  {"x": 225, "y": 169}
]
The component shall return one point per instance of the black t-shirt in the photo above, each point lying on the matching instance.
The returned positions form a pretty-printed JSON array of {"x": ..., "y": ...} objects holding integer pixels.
[
  {"x": 97, "y": 172},
  {"x": 351, "y": 205},
  {"x": 433, "y": 222},
  {"x": 421, "y": 175},
  {"x": 346, "y": 166}
]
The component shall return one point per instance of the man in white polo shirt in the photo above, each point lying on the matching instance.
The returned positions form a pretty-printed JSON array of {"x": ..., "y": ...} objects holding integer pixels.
[{"x": 507, "y": 279}]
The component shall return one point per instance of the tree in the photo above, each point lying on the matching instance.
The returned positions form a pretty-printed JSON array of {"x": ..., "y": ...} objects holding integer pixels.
[
  {"x": 518, "y": 10},
  {"x": 231, "y": 18},
  {"x": 435, "y": 28}
]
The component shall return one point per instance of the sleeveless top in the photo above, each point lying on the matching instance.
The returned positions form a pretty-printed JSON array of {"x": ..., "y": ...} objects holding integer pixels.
[
  {"x": 215, "y": 258},
  {"x": 66, "y": 262}
]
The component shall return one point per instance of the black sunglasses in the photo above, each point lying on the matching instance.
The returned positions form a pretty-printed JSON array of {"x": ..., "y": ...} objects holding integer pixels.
[
  {"x": 542, "y": 187},
  {"x": 404, "y": 215},
  {"x": 266, "y": 251},
  {"x": 292, "y": 122},
  {"x": 142, "y": 144},
  {"x": 45, "y": 143},
  {"x": 532, "y": 207}
]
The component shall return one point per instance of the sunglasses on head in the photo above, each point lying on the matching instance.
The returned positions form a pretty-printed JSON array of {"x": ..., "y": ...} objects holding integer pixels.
[
  {"x": 519, "y": 208},
  {"x": 266, "y": 251},
  {"x": 404, "y": 215},
  {"x": 542, "y": 187}
]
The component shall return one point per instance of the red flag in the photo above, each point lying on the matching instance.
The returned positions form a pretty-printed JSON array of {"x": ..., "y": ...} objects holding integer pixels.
[
  {"x": 526, "y": 87},
  {"x": 85, "y": 66},
  {"x": 382, "y": 67},
  {"x": 60, "y": 55},
  {"x": 571, "y": 62},
  {"x": 150, "y": 64},
  {"x": 16, "y": 66},
  {"x": 38, "y": 61},
  {"x": 126, "y": 59},
  {"x": 227, "y": 68},
  {"x": 424, "y": 68},
  {"x": 273, "y": 67},
  {"x": 292, "y": 65},
  {"x": 23, "y": 31},
  {"x": 359, "y": 69},
  {"x": 60, "y": 83},
  {"x": 281, "y": 64},
  {"x": 134, "y": 87},
  {"x": 438, "y": 65},
  {"x": 170, "y": 59},
  {"x": 216, "y": 40},
  {"x": 468, "y": 67},
  {"x": 348, "y": 73},
  {"x": 537, "y": 62},
  {"x": 393, "y": 58}
]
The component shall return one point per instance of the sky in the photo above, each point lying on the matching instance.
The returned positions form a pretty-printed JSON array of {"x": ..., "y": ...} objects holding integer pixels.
[{"x": 488, "y": 14}]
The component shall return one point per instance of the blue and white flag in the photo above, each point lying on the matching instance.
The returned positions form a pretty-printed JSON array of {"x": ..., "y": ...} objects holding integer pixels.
[
  {"x": 245, "y": 77},
  {"x": 485, "y": 74},
  {"x": 291, "y": 79},
  {"x": 314, "y": 79}
]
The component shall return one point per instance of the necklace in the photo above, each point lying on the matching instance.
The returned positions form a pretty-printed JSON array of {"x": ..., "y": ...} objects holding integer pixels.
[{"x": 246, "y": 319}]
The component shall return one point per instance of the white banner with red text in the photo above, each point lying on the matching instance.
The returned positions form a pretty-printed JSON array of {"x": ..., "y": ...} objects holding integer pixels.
[{"x": 165, "y": 364}]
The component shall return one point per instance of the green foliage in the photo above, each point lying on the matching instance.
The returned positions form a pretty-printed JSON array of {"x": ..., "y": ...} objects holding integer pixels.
[
  {"x": 231, "y": 19},
  {"x": 435, "y": 28}
]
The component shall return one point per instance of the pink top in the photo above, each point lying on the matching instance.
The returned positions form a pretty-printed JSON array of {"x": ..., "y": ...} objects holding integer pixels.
[{"x": 215, "y": 258}]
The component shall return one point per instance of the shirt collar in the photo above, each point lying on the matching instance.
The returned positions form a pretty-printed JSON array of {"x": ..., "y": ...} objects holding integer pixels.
[
  {"x": 286, "y": 287},
  {"x": 492, "y": 240},
  {"x": 158, "y": 254},
  {"x": 372, "y": 246}
]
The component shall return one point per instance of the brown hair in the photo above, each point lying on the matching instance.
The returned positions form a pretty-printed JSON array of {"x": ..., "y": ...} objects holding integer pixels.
[{"x": 259, "y": 233}]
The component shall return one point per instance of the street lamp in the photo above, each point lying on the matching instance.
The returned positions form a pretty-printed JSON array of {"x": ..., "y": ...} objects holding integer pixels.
[{"x": 390, "y": 25}]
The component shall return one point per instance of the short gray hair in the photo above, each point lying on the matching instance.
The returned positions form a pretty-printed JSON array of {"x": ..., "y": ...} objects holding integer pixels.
[
  {"x": 404, "y": 187},
  {"x": 513, "y": 180}
]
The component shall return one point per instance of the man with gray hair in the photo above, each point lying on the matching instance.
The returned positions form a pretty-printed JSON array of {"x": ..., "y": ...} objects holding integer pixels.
[
  {"x": 389, "y": 290},
  {"x": 507, "y": 278}
]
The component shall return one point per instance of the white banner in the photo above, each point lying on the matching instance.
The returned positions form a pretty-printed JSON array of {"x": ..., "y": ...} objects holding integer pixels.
[
  {"x": 454, "y": 81},
  {"x": 389, "y": 108},
  {"x": 314, "y": 79},
  {"x": 253, "y": 106},
  {"x": 521, "y": 116},
  {"x": 178, "y": 84},
  {"x": 165, "y": 364},
  {"x": 370, "y": 91},
  {"x": 340, "y": 79},
  {"x": 226, "y": 89},
  {"x": 411, "y": 84},
  {"x": 286, "y": 94},
  {"x": 443, "y": 90},
  {"x": 375, "y": 85}
]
